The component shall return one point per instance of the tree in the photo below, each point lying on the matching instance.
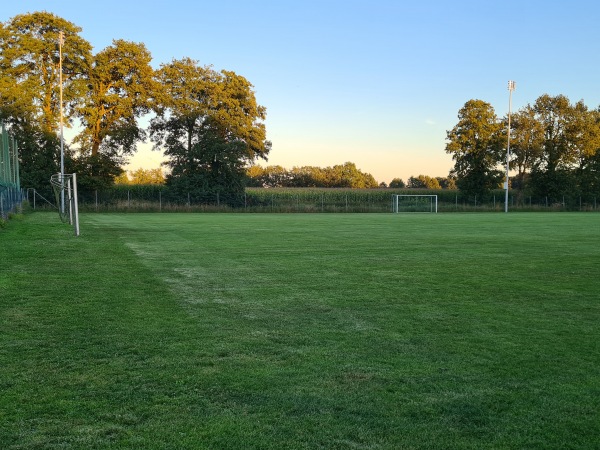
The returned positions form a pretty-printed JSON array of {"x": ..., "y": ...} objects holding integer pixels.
[
  {"x": 38, "y": 156},
  {"x": 307, "y": 176},
  {"x": 94, "y": 172},
  {"x": 584, "y": 133},
  {"x": 448, "y": 182},
  {"x": 120, "y": 89},
  {"x": 122, "y": 179},
  {"x": 423, "y": 181},
  {"x": 147, "y": 176},
  {"x": 552, "y": 174},
  {"x": 211, "y": 129},
  {"x": 589, "y": 178},
  {"x": 29, "y": 94},
  {"x": 348, "y": 175},
  {"x": 397, "y": 183},
  {"x": 30, "y": 55},
  {"x": 270, "y": 176},
  {"x": 476, "y": 146},
  {"x": 554, "y": 115},
  {"x": 588, "y": 170},
  {"x": 526, "y": 143}
]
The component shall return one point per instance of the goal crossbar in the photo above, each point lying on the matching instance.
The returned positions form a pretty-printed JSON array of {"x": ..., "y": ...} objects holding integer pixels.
[{"x": 432, "y": 203}]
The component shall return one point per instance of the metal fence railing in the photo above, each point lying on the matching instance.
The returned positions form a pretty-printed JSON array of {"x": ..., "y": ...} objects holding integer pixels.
[
  {"x": 11, "y": 195},
  {"x": 157, "y": 198}
]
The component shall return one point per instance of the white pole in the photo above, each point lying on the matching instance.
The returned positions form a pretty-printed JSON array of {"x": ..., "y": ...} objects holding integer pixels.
[
  {"x": 70, "y": 200},
  {"x": 511, "y": 88},
  {"x": 75, "y": 205},
  {"x": 61, "y": 40}
]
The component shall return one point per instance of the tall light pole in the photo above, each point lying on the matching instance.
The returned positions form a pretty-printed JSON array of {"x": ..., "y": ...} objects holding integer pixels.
[
  {"x": 511, "y": 88},
  {"x": 61, "y": 41}
]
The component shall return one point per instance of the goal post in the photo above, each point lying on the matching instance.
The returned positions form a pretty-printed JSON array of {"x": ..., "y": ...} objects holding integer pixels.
[
  {"x": 65, "y": 193},
  {"x": 414, "y": 203}
]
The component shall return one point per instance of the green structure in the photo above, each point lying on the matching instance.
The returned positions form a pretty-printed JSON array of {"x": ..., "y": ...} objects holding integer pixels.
[{"x": 11, "y": 195}]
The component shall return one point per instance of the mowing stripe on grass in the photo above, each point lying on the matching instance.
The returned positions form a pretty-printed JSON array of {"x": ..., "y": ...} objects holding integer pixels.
[{"x": 301, "y": 331}]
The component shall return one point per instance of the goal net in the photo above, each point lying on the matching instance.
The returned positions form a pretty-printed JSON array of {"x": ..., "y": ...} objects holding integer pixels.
[
  {"x": 414, "y": 203},
  {"x": 65, "y": 193}
]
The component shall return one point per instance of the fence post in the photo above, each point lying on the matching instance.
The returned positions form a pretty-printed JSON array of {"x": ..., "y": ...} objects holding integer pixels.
[{"x": 159, "y": 201}]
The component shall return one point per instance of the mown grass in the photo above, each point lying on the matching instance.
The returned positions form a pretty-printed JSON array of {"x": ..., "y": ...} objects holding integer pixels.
[{"x": 300, "y": 331}]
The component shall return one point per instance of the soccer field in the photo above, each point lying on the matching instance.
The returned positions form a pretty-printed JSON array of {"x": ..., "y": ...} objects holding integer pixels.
[{"x": 272, "y": 331}]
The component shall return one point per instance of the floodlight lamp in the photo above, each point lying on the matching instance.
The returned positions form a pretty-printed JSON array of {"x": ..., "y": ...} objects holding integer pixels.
[{"x": 511, "y": 85}]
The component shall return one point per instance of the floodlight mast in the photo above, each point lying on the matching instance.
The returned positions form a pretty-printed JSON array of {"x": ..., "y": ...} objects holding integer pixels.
[
  {"x": 61, "y": 41},
  {"x": 511, "y": 88}
]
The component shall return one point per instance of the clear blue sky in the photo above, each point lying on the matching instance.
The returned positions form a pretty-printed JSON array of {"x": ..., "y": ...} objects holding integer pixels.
[{"x": 375, "y": 82}]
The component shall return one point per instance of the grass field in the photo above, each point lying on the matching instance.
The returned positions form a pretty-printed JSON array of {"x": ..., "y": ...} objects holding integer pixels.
[{"x": 273, "y": 331}]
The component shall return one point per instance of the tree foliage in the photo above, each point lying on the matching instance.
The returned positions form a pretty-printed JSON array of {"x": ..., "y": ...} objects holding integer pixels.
[
  {"x": 30, "y": 59},
  {"x": 142, "y": 176},
  {"x": 423, "y": 182},
  {"x": 526, "y": 145},
  {"x": 39, "y": 156},
  {"x": 338, "y": 176},
  {"x": 554, "y": 148},
  {"x": 397, "y": 183},
  {"x": 120, "y": 89},
  {"x": 208, "y": 122},
  {"x": 475, "y": 146},
  {"x": 211, "y": 129}
]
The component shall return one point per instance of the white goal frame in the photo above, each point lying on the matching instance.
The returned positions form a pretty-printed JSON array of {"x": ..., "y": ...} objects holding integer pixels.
[
  {"x": 65, "y": 190},
  {"x": 433, "y": 202}
]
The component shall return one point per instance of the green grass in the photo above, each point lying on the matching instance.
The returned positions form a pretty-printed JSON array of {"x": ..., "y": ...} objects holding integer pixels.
[{"x": 379, "y": 331}]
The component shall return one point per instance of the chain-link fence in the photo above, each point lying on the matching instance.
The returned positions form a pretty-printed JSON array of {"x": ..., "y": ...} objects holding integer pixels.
[
  {"x": 11, "y": 195},
  {"x": 157, "y": 198}
]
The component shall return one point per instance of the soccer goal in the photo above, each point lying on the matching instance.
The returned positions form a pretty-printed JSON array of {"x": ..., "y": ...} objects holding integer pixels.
[
  {"x": 414, "y": 203},
  {"x": 65, "y": 193}
]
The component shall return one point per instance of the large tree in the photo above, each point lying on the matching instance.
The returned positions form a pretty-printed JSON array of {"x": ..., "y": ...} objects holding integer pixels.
[
  {"x": 120, "y": 89},
  {"x": 555, "y": 115},
  {"x": 476, "y": 148},
  {"x": 30, "y": 57},
  {"x": 588, "y": 170},
  {"x": 211, "y": 128},
  {"x": 584, "y": 135},
  {"x": 562, "y": 124},
  {"x": 348, "y": 175},
  {"x": 423, "y": 182},
  {"x": 526, "y": 144},
  {"x": 29, "y": 88}
]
